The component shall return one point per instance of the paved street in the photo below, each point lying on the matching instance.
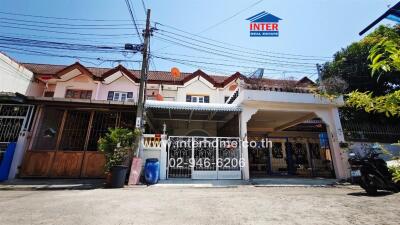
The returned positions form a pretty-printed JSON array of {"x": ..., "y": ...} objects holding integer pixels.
[{"x": 188, "y": 205}]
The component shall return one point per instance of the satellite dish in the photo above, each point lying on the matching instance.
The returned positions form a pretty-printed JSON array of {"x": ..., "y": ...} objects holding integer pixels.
[
  {"x": 258, "y": 74},
  {"x": 175, "y": 72}
]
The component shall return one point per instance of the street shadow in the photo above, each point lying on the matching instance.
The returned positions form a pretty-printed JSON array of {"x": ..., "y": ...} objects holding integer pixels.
[
  {"x": 378, "y": 194},
  {"x": 52, "y": 184}
]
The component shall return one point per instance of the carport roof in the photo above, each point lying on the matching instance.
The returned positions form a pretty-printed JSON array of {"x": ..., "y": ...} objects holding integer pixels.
[{"x": 192, "y": 106}]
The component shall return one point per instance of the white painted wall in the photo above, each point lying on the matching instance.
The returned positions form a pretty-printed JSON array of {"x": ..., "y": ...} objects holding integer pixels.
[
  {"x": 14, "y": 77},
  {"x": 287, "y": 97},
  {"x": 200, "y": 86}
]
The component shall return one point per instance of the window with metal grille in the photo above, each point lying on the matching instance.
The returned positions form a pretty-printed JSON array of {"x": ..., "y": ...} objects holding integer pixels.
[
  {"x": 119, "y": 96},
  {"x": 46, "y": 138},
  {"x": 198, "y": 98},
  {"x": 102, "y": 121},
  {"x": 80, "y": 131},
  {"x": 80, "y": 94},
  {"x": 75, "y": 131},
  {"x": 49, "y": 94}
]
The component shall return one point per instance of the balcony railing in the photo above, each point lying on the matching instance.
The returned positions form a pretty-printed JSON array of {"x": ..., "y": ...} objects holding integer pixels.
[
  {"x": 151, "y": 141},
  {"x": 279, "y": 89}
]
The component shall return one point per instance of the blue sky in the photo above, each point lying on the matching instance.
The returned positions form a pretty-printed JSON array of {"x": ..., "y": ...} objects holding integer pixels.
[{"x": 309, "y": 28}]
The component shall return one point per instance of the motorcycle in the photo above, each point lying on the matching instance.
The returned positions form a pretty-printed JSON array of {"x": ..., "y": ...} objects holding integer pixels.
[{"x": 371, "y": 172}]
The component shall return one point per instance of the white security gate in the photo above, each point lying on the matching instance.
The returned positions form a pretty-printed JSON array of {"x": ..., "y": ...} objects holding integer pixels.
[
  {"x": 204, "y": 157},
  {"x": 14, "y": 118}
]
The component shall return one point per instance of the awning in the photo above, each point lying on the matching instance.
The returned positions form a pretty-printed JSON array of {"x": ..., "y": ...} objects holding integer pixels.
[
  {"x": 392, "y": 14},
  {"x": 212, "y": 107},
  {"x": 82, "y": 103},
  {"x": 12, "y": 97},
  {"x": 189, "y": 111}
]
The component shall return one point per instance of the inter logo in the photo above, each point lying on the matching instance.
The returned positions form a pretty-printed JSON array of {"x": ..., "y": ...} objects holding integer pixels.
[{"x": 264, "y": 24}]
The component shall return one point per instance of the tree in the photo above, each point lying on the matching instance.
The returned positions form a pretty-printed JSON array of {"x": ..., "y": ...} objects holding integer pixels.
[
  {"x": 388, "y": 104},
  {"x": 385, "y": 59},
  {"x": 355, "y": 64}
]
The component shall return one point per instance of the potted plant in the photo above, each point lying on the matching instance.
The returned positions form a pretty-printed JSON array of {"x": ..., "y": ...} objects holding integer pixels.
[{"x": 118, "y": 146}]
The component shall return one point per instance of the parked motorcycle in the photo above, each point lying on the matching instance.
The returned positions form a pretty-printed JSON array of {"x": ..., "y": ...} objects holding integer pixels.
[{"x": 371, "y": 172}]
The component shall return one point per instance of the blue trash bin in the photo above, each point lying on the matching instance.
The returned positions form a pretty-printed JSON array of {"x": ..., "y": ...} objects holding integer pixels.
[
  {"x": 5, "y": 163},
  {"x": 152, "y": 171}
]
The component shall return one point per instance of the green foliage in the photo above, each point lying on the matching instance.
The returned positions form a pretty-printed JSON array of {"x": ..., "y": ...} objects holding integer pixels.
[
  {"x": 326, "y": 95},
  {"x": 352, "y": 64},
  {"x": 388, "y": 104},
  {"x": 395, "y": 173},
  {"x": 118, "y": 146},
  {"x": 385, "y": 56}
]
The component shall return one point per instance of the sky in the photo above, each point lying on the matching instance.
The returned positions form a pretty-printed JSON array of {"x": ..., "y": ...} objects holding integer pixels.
[{"x": 311, "y": 31}]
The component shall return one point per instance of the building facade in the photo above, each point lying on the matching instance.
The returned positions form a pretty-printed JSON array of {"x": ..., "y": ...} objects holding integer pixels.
[{"x": 75, "y": 105}]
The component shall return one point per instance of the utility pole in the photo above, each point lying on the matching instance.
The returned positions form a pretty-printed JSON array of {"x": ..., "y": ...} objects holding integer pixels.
[
  {"x": 320, "y": 77},
  {"x": 143, "y": 78}
]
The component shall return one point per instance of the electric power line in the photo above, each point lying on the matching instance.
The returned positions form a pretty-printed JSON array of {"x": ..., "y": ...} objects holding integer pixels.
[
  {"x": 230, "y": 17},
  {"x": 131, "y": 12},
  {"x": 144, "y": 7},
  {"x": 229, "y": 48},
  {"x": 60, "y": 18},
  {"x": 238, "y": 46},
  {"x": 227, "y": 54},
  {"x": 65, "y": 24},
  {"x": 227, "y": 65},
  {"x": 63, "y": 32},
  {"x": 65, "y": 27}
]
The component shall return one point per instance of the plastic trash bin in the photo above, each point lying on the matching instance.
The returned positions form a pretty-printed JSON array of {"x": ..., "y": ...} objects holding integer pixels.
[
  {"x": 5, "y": 163},
  {"x": 152, "y": 171}
]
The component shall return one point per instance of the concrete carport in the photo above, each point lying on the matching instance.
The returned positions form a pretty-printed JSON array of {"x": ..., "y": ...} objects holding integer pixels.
[{"x": 270, "y": 111}]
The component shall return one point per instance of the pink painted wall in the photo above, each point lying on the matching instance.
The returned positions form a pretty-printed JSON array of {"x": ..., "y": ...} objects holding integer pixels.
[
  {"x": 81, "y": 82},
  {"x": 121, "y": 84},
  {"x": 35, "y": 88}
]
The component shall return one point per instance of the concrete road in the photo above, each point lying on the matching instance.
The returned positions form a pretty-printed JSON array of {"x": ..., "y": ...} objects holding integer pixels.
[{"x": 179, "y": 205}]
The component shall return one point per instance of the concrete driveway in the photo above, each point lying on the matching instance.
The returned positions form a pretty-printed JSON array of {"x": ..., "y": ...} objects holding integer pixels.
[{"x": 201, "y": 205}]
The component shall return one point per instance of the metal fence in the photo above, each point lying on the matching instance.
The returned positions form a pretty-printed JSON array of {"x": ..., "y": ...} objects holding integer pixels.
[
  {"x": 367, "y": 132},
  {"x": 204, "y": 157}
]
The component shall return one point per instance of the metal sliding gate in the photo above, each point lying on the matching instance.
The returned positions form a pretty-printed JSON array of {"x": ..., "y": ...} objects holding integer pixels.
[
  {"x": 14, "y": 118},
  {"x": 204, "y": 157}
]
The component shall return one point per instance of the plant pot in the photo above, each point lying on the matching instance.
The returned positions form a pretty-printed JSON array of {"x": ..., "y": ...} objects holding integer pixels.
[
  {"x": 118, "y": 175},
  {"x": 108, "y": 179}
]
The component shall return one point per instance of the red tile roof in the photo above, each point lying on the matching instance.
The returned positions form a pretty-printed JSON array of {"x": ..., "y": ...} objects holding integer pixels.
[{"x": 155, "y": 76}]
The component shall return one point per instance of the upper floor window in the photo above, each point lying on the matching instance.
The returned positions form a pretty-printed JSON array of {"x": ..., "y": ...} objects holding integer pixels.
[
  {"x": 198, "y": 98},
  {"x": 119, "y": 96},
  {"x": 49, "y": 94},
  {"x": 81, "y": 94}
]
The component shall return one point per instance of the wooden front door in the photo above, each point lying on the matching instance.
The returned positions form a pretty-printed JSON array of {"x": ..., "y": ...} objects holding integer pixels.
[
  {"x": 53, "y": 164},
  {"x": 67, "y": 164},
  {"x": 65, "y": 144},
  {"x": 37, "y": 163},
  {"x": 93, "y": 164}
]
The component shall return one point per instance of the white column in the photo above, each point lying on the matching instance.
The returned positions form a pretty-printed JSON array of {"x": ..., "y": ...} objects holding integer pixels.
[
  {"x": 163, "y": 157},
  {"x": 335, "y": 135},
  {"x": 245, "y": 116},
  {"x": 18, "y": 154}
]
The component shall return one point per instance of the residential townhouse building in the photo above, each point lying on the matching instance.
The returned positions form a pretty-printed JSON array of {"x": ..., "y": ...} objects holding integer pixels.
[{"x": 75, "y": 105}]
